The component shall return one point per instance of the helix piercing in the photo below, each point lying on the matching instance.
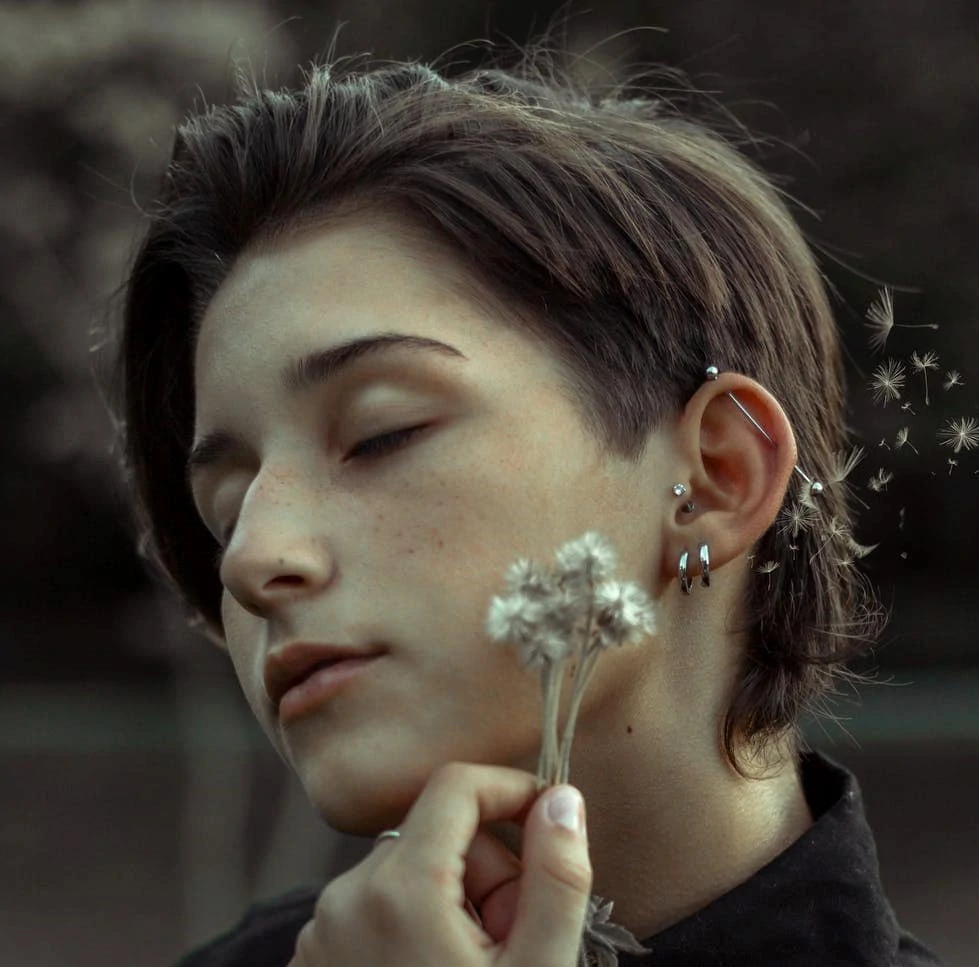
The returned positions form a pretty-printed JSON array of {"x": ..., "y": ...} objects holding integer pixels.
[{"x": 815, "y": 487}]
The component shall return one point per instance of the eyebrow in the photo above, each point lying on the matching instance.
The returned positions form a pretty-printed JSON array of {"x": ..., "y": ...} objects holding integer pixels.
[{"x": 315, "y": 369}]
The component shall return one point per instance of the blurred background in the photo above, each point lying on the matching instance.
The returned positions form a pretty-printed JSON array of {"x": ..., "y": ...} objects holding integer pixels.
[{"x": 141, "y": 810}]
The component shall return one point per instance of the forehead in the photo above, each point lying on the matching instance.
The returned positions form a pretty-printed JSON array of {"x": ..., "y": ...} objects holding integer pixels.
[{"x": 311, "y": 290}]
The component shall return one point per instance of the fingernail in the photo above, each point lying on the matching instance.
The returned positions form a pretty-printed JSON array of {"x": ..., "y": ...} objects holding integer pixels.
[{"x": 565, "y": 808}]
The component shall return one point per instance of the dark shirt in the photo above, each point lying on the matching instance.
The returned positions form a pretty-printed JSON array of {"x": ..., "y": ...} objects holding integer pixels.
[{"x": 819, "y": 903}]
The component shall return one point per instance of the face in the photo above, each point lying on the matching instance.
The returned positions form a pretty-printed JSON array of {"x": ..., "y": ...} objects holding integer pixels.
[{"x": 403, "y": 549}]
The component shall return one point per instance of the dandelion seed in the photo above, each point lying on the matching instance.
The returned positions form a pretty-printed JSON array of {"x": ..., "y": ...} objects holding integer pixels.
[
  {"x": 906, "y": 407},
  {"x": 880, "y": 480},
  {"x": 902, "y": 439},
  {"x": 836, "y": 530},
  {"x": 921, "y": 365},
  {"x": 962, "y": 434},
  {"x": 952, "y": 464},
  {"x": 767, "y": 567},
  {"x": 796, "y": 519},
  {"x": 881, "y": 316},
  {"x": 842, "y": 464},
  {"x": 883, "y": 443},
  {"x": 952, "y": 378},
  {"x": 856, "y": 549},
  {"x": 887, "y": 381}
]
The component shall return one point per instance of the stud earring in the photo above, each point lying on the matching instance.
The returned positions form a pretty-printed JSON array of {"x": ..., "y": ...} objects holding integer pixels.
[{"x": 678, "y": 491}]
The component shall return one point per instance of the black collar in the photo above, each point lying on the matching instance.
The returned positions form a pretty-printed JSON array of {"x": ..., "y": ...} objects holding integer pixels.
[{"x": 818, "y": 903}]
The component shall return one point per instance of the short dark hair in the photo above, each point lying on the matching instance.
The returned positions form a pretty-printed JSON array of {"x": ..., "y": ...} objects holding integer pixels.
[{"x": 636, "y": 242}]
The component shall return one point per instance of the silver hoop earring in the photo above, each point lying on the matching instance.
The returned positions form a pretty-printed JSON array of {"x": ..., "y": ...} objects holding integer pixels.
[
  {"x": 704, "y": 566},
  {"x": 685, "y": 583}
]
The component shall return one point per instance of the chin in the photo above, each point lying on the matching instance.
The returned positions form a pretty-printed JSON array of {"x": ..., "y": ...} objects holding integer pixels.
[{"x": 362, "y": 804}]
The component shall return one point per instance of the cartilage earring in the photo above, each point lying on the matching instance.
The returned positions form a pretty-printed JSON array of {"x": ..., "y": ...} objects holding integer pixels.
[
  {"x": 678, "y": 491},
  {"x": 704, "y": 566},
  {"x": 815, "y": 487},
  {"x": 685, "y": 583}
]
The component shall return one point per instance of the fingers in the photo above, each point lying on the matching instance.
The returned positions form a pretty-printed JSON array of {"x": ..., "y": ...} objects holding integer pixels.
[
  {"x": 492, "y": 883},
  {"x": 437, "y": 833},
  {"x": 554, "y": 890}
]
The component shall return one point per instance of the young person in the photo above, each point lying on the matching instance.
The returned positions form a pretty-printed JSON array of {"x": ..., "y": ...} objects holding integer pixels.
[{"x": 393, "y": 330}]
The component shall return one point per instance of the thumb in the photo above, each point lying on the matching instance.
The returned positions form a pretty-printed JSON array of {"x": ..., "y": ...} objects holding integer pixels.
[{"x": 556, "y": 883}]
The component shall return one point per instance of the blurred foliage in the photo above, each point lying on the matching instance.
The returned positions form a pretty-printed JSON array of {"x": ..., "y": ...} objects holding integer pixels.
[{"x": 868, "y": 111}]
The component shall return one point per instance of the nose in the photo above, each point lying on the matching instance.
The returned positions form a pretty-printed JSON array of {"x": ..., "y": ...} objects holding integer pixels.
[{"x": 275, "y": 556}]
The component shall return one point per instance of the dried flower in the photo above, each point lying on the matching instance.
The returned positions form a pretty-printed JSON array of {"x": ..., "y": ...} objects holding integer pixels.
[
  {"x": 902, "y": 439},
  {"x": 887, "y": 381},
  {"x": 952, "y": 378},
  {"x": 962, "y": 434},
  {"x": 604, "y": 938},
  {"x": 574, "y": 612},
  {"x": 921, "y": 365},
  {"x": 881, "y": 316}
]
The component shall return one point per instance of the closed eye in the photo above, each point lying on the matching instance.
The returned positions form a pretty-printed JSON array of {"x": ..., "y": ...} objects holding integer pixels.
[
  {"x": 372, "y": 448},
  {"x": 385, "y": 443}
]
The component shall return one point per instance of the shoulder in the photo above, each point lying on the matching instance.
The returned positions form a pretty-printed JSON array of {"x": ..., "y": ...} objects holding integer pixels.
[{"x": 264, "y": 937}]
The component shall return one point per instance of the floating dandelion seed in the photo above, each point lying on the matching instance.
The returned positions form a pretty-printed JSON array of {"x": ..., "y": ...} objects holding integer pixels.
[
  {"x": 906, "y": 407},
  {"x": 921, "y": 365},
  {"x": 883, "y": 443},
  {"x": 902, "y": 439},
  {"x": 769, "y": 568},
  {"x": 887, "y": 381},
  {"x": 795, "y": 519},
  {"x": 962, "y": 434},
  {"x": 880, "y": 480},
  {"x": 881, "y": 316},
  {"x": 952, "y": 464},
  {"x": 952, "y": 378},
  {"x": 842, "y": 464}
]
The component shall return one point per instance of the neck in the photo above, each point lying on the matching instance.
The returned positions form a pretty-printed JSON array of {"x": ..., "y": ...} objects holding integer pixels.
[{"x": 675, "y": 831}]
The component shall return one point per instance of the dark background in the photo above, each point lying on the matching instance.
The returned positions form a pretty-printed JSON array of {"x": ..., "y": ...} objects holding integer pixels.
[{"x": 141, "y": 810}]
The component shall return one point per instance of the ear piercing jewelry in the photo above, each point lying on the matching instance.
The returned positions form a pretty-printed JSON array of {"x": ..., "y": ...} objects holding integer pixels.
[
  {"x": 679, "y": 490},
  {"x": 686, "y": 585},
  {"x": 815, "y": 487}
]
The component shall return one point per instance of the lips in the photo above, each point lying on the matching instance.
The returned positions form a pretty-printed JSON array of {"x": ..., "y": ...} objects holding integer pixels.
[{"x": 292, "y": 664}]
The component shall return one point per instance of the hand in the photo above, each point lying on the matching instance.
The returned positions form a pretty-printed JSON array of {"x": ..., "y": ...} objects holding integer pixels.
[{"x": 405, "y": 903}]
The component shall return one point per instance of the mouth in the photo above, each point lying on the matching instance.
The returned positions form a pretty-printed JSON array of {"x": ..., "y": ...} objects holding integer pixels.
[
  {"x": 291, "y": 665},
  {"x": 320, "y": 684}
]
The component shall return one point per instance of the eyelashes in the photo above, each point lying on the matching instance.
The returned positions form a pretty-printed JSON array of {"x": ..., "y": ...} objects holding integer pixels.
[
  {"x": 385, "y": 443},
  {"x": 370, "y": 449}
]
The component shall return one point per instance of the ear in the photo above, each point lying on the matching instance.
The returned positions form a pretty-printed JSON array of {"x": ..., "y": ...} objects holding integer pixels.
[{"x": 736, "y": 478}]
